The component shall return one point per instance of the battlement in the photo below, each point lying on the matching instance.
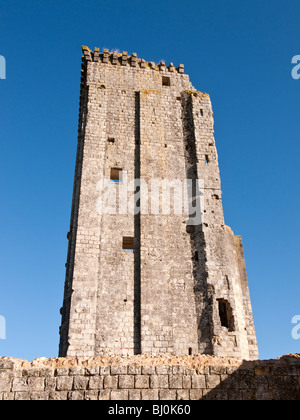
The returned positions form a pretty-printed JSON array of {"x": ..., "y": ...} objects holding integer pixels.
[
  {"x": 124, "y": 59},
  {"x": 109, "y": 62}
]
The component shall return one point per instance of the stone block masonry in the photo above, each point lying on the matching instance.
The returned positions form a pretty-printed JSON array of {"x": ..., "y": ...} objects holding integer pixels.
[
  {"x": 183, "y": 289},
  {"x": 150, "y": 378}
]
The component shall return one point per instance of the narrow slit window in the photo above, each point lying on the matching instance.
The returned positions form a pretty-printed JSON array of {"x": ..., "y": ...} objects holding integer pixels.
[
  {"x": 116, "y": 174},
  {"x": 206, "y": 159},
  {"x": 128, "y": 244},
  {"x": 201, "y": 112},
  {"x": 166, "y": 81}
]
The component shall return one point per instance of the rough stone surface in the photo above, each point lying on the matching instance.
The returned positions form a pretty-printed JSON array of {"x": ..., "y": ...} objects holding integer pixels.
[
  {"x": 150, "y": 122},
  {"x": 171, "y": 378}
]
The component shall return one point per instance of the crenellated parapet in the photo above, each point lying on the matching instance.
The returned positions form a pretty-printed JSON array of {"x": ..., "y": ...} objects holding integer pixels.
[
  {"x": 116, "y": 59},
  {"x": 124, "y": 59}
]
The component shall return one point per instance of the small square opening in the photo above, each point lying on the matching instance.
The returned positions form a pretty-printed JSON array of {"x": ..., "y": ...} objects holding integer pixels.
[
  {"x": 116, "y": 174},
  {"x": 128, "y": 244},
  {"x": 166, "y": 81}
]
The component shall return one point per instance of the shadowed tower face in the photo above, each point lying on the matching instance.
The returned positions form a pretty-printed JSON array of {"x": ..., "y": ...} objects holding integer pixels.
[{"x": 152, "y": 268}]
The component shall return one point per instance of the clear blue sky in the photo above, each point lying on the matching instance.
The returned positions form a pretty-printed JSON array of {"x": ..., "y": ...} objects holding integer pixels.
[{"x": 239, "y": 52}]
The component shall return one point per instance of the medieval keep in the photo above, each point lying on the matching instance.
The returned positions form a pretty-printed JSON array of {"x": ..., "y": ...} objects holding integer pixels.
[{"x": 150, "y": 282}]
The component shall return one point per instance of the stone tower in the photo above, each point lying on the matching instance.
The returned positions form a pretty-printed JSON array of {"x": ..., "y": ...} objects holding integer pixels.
[{"x": 151, "y": 281}]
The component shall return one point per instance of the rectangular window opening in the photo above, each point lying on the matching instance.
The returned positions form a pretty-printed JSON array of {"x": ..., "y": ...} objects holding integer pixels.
[
  {"x": 116, "y": 174},
  {"x": 128, "y": 244},
  {"x": 166, "y": 81},
  {"x": 226, "y": 315},
  {"x": 110, "y": 140},
  {"x": 206, "y": 159}
]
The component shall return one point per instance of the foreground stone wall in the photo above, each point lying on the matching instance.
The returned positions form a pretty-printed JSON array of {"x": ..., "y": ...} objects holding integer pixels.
[{"x": 150, "y": 378}]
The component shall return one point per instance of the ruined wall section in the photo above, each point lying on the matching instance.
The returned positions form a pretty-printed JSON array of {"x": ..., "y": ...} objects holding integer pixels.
[
  {"x": 240, "y": 297},
  {"x": 245, "y": 299},
  {"x": 218, "y": 279}
]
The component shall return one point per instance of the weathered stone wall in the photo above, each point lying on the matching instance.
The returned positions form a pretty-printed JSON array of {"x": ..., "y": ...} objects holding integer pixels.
[
  {"x": 164, "y": 297},
  {"x": 150, "y": 378}
]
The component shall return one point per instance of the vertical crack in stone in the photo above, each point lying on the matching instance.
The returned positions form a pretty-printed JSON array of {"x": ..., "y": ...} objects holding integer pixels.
[{"x": 137, "y": 232}]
